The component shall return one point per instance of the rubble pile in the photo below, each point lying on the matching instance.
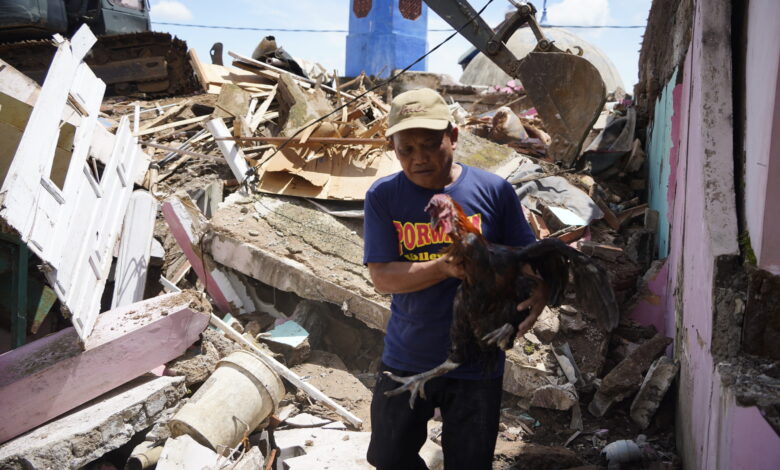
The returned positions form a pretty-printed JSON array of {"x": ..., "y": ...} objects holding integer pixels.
[{"x": 248, "y": 333}]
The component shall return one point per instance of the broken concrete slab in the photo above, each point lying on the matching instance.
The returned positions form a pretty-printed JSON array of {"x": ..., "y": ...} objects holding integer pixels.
[
  {"x": 555, "y": 397},
  {"x": 626, "y": 377},
  {"x": 100, "y": 426},
  {"x": 301, "y": 250},
  {"x": 657, "y": 381},
  {"x": 48, "y": 377},
  {"x": 522, "y": 375},
  {"x": 343, "y": 450}
]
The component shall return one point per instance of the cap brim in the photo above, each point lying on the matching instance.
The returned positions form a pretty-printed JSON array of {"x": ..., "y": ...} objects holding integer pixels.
[{"x": 419, "y": 123}]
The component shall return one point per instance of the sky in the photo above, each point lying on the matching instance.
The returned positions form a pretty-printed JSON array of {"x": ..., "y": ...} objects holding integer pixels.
[{"x": 329, "y": 49}]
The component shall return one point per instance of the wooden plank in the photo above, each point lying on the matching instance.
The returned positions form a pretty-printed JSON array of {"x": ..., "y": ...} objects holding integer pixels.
[
  {"x": 199, "y": 68},
  {"x": 53, "y": 375},
  {"x": 188, "y": 226},
  {"x": 277, "y": 70},
  {"x": 134, "y": 250},
  {"x": 260, "y": 115},
  {"x": 233, "y": 154},
  {"x": 172, "y": 125},
  {"x": 170, "y": 113}
]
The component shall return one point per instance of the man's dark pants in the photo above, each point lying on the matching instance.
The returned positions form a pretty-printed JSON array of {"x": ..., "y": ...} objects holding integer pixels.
[{"x": 470, "y": 413}]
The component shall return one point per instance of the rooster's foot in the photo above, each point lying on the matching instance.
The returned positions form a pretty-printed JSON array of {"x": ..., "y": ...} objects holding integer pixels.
[
  {"x": 415, "y": 384},
  {"x": 502, "y": 337}
]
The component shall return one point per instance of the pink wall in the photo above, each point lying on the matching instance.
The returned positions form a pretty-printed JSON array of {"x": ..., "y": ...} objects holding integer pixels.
[
  {"x": 713, "y": 432},
  {"x": 762, "y": 132}
]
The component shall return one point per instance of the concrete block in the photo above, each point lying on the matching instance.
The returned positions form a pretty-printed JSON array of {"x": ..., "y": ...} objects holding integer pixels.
[
  {"x": 100, "y": 426},
  {"x": 657, "y": 381},
  {"x": 48, "y": 377}
]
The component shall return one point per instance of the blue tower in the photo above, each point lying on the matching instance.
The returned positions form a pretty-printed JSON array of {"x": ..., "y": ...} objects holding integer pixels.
[{"x": 385, "y": 35}]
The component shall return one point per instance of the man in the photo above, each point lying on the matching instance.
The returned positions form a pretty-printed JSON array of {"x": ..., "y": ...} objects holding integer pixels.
[{"x": 401, "y": 251}]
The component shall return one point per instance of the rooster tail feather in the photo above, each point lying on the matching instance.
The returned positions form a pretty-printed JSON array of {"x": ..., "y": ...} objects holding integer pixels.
[{"x": 554, "y": 260}]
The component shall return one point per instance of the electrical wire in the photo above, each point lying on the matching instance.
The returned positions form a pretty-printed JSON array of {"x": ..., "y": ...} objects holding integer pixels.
[
  {"x": 252, "y": 172},
  {"x": 433, "y": 30}
]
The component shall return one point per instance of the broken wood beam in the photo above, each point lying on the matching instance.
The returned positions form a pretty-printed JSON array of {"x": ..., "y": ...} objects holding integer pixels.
[
  {"x": 312, "y": 140},
  {"x": 232, "y": 153},
  {"x": 283, "y": 371},
  {"x": 45, "y": 378},
  {"x": 181, "y": 151}
]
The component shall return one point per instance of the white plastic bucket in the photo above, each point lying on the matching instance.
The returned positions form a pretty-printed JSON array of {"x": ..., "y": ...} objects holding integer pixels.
[{"x": 234, "y": 400}]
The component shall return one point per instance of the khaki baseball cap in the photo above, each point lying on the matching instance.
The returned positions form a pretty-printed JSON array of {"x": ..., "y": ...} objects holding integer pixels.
[{"x": 415, "y": 109}]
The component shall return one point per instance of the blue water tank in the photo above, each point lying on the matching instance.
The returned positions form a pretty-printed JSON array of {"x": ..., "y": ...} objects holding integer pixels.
[{"x": 382, "y": 37}]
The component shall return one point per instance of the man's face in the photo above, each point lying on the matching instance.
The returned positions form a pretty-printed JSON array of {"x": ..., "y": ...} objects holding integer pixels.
[{"x": 426, "y": 155}]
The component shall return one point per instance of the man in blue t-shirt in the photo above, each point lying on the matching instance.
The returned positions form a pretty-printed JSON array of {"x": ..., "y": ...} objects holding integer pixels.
[{"x": 402, "y": 254}]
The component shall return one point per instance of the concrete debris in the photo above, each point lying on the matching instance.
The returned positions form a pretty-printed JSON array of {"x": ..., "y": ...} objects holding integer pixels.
[
  {"x": 330, "y": 449},
  {"x": 104, "y": 424},
  {"x": 547, "y": 326},
  {"x": 195, "y": 366},
  {"x": 183, "y": 452},
  {"x": 555, "y": 397},
  {"x": 528, "y": 456},
  {"x": 657, "y": 381},
  {"x": 626, "y": 377}
]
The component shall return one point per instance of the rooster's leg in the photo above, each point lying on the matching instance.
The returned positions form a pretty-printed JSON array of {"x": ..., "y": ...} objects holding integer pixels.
[
  {"x": 415, "y": 384},
  {"x": 502, "y": 337}
]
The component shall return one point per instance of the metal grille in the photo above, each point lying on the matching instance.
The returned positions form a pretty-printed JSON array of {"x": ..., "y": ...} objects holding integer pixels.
[
  {"x": 410, "y": 9},
  {"x": 361, "y": 8}
]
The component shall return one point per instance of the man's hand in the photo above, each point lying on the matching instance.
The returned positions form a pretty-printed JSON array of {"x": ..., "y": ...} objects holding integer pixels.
[
  {"x": 449, "y": 268},
  {"x": 536, "y": 302}
]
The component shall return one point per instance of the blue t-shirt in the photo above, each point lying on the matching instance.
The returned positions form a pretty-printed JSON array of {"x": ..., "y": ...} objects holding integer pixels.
[{"x": 397, "y": 228}]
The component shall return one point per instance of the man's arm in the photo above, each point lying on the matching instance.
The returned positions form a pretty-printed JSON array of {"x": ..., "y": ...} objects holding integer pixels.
[{"x": 401, "y": 277}]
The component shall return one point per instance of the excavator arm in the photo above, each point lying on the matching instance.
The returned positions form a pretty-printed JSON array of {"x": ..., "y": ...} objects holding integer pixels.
[{"x": 566, "y": 90}]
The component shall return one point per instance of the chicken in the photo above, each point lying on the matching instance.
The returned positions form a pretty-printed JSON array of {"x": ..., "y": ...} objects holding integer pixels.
[{"x": 497, "y": 279}]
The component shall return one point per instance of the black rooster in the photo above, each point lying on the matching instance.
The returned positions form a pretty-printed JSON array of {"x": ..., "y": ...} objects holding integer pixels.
[{"x": 485, "y": 315}]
